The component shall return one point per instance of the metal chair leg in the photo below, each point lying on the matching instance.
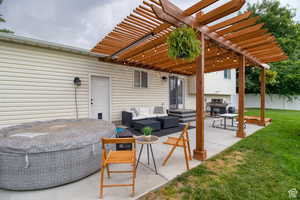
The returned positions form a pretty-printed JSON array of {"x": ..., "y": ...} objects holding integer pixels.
[
  {"x": 141, "y": 150},
  {"x": 153, "y": 159},
  {"x": 148, "y": 153}
]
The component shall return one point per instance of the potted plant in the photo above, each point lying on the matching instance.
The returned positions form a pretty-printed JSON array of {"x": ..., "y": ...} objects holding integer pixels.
[
  {"x": 147, "y": 132},
  {"x": 183, "y": 43}
]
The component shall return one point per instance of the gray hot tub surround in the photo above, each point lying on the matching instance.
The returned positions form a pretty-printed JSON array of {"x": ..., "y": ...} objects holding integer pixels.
[{"x": 40, "y": 155}]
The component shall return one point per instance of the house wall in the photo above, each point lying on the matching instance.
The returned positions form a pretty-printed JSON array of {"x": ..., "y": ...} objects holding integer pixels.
[
  {"x": 37, "y": 84},
  {"x": 215, "y": 86}
]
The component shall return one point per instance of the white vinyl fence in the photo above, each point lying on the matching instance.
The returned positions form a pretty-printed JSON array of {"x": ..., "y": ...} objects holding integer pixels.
[{"x": 273, "y": 101}]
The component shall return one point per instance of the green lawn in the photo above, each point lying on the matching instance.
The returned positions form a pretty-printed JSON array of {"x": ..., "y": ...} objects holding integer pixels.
[{"x": 265, "y": 165}]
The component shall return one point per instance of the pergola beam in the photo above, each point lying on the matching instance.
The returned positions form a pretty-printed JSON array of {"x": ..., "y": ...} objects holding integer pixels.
[
  {"x": 263, "y": 50},
  {"x": 229, "y": 21},
  {"x": 173, "y": 15},
  {"x": 238, "y": 26},
  {"x": 262, "y": 96},
  {"x": 200, "y": 151},
  {"x": 219, "y": 12},
  {"x": 249, "y": 36},
  {"x": 254, "y": 39},
  {"x": 127, "y": 41},
  {"x": 198, "y": 6},
  {"x": 241, "y": 116},
  {"x": 245, "y": 31}
]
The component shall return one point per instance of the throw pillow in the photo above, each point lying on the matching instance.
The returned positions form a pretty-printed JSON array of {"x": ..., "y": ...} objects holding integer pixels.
[
  {"x": 134, "y": 111},
  {"x": 144, "y": 111},
  {"x": 158, "y": 110}
]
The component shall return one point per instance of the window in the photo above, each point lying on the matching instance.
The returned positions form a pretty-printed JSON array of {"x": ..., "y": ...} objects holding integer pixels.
[
  {"x": 227, "y": 74},
  {"x": 140, "y": 79}
]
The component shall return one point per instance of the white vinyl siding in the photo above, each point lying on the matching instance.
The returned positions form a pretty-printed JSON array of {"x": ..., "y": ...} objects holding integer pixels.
[{"x": 37, "y": 84}]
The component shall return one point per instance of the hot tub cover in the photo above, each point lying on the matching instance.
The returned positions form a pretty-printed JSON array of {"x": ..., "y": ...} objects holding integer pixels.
[{"x": 55, "y": 135}]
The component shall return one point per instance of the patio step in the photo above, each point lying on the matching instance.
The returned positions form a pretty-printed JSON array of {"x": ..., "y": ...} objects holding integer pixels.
[
  {"x": 182, "y": 111},
  {"x": 187, "y": 119},
  {"x": 185, "y": 115}
]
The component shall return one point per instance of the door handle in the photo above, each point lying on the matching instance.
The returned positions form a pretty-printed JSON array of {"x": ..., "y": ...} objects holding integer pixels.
[{"x": 92, "y": 101}]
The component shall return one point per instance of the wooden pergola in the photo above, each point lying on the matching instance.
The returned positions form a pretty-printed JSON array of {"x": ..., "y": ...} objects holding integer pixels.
[{"x": 234, "y": 43}]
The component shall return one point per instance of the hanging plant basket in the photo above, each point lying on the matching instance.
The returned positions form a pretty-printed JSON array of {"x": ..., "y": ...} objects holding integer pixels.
[{"x": 183, "y": 43}]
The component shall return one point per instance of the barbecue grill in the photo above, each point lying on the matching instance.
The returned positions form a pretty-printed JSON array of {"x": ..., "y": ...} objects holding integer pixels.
[{"x": 217, "y": 106}]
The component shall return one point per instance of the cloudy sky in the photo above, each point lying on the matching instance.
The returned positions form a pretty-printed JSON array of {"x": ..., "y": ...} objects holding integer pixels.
[{"x": 76, "y": 23}]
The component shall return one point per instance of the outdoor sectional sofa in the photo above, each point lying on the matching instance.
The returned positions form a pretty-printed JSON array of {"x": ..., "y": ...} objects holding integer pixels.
[
  {"x": 141, "y": 113},
  {"x": 40, "y": 155}
]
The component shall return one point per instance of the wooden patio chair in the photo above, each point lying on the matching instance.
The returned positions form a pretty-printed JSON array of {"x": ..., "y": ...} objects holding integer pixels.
[
  {"x": 183, "y": 142},
  {"x": 118, "y": 157}
]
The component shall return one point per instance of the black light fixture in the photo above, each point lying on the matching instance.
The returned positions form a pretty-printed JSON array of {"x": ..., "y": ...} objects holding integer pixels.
[
  {"x": 77, "y": 81},
  {"x": 164, "y": 78}
]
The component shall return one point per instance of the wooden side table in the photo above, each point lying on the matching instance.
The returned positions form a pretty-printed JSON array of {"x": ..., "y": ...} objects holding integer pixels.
[{"x": 147, "y": 141}]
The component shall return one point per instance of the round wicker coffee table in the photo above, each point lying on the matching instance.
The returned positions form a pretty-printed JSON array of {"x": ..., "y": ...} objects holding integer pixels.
[{"x": 147, "y": 141}]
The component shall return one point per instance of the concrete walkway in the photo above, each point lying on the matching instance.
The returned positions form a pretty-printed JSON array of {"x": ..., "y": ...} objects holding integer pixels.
[{"x": 216, "y": 141}]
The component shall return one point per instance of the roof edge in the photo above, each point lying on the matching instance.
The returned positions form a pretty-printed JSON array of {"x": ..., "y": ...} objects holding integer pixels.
[{"x": 48, "y": 45}]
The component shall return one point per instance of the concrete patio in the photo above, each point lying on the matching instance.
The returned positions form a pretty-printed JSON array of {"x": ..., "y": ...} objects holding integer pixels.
[{"x": 216, "y": 140}]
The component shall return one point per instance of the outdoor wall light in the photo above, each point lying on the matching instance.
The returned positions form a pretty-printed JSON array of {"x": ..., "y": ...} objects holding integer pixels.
[
  {"x": 164, "y": 78},
  {"x": 77, "y": 81}
]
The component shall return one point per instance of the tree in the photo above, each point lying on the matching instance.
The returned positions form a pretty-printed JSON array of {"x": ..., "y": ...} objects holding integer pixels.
[
  {"x": 2, "y": 20},
  {"x": 283, "y": 78},
  {"x": 288, "y": 78},
  {"x": 280, "y": 22}
]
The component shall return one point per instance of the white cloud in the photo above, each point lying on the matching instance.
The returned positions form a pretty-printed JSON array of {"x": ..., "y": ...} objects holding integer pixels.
[{"x": 79, "y": 24}]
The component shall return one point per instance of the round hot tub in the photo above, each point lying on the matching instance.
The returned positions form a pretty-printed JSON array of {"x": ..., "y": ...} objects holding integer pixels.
[{"x": 40, "y": 155}]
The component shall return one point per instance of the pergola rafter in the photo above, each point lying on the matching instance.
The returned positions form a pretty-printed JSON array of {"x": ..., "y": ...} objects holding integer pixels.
[
  {"x": 234, "y": 43},
  {"x": 240, "y": 34}
]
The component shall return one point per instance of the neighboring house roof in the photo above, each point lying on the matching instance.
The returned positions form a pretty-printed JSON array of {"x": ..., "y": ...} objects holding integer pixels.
[{"x": 48, "y": 45}]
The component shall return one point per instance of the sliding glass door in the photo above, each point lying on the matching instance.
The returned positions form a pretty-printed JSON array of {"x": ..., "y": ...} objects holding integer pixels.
[{"x": 176, "y": 92}]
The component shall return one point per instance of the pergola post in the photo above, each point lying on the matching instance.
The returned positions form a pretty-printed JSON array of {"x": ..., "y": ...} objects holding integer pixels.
[
  {"x": 200, "y": 152},
  {"x": 262, "y": 96},
  {"x": 241, "y": 116}
]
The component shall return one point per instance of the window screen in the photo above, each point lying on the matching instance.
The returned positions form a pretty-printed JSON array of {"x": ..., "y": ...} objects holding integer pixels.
[
  {"x": 137, "y": 79},
  {"x": 140, "y": 79},
  {"x": 227, "y": 74},
  {"x": 144, "y": 80}
]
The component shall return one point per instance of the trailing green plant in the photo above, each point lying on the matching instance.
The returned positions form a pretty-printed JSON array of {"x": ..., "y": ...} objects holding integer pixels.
[
  {"x": 183, "y": 43},
  {"x": 147, "y": 131}
]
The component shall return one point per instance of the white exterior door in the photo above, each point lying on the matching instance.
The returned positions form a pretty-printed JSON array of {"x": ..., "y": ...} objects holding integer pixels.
[{"x": 100, "y": 98}]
